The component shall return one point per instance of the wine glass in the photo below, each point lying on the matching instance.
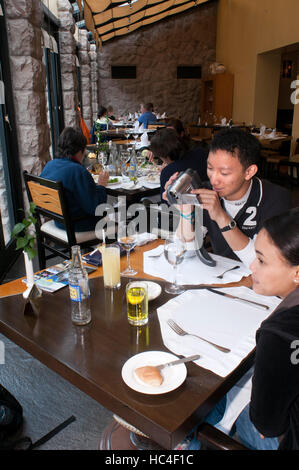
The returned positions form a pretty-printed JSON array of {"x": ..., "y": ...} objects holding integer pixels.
[
  {"x": 174, "y": 250},
  {"x": 128, "y": 243}
]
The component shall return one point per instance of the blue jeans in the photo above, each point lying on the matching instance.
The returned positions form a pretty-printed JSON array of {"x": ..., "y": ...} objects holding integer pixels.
[
  {"x": 250, "y": 436},
  {"x": 246, "y": 431}
]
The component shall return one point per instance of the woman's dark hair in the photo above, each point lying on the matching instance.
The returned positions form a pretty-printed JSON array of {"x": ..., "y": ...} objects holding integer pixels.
[
  {"x": 177, "y": 125},
  {"x": 70, "y": 141},
  {"x": 102, "y": 110},
  {"x": 166, "y": 143},
  {"x": 239, "y": 143},
  {"x": 283, "y": 230}
]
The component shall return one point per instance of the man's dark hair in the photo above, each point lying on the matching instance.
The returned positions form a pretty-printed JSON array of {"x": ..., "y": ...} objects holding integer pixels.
[
  {"x": 70, "y": 141},
  {"x": 239, "y": 143},
  {"x": 149, "y": 107},
  {"x": 166, "y": 143}
]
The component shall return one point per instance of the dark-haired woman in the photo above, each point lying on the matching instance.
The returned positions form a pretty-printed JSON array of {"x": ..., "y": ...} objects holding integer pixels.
[
  {"x": 271, "y": 419},
  {"x": 167, "y": 146},
  {"x": 100, "y": 123},
  {"x": 82, "y": 193}
]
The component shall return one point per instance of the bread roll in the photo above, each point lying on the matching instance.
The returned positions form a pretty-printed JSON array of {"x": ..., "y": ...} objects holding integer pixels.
[{"x": 149, "y": 375}]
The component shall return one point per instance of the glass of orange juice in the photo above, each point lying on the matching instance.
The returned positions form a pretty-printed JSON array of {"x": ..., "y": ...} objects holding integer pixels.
[
  {"x": 137, "y": 303},
  {"x": 111, "y": 266}
]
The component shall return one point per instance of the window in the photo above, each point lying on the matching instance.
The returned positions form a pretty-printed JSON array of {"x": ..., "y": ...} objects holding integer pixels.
[
  {"x": 189, "y": 71},
  {"x": 123, "y": 71}
]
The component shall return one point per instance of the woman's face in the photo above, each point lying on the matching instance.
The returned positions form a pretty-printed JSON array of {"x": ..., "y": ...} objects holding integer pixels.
[{"x": 271, "y": 272}]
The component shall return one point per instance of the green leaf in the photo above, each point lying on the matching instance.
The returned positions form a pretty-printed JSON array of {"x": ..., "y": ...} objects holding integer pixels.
[
  {"x": 32, "y": 207},
  {"x": 30, "y": 252},
  {"x": 18, "y": 228},
  {"x": 21, "y": 242}
]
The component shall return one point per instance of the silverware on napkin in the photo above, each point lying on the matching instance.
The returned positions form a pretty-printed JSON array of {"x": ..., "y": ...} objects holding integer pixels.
[
  {"x": 240, "y": 299},
  {"x": 179, "y": 331}
]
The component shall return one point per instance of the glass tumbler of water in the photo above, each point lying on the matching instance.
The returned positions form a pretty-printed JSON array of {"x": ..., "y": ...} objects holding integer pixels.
[{"x": 174, "y": 251}]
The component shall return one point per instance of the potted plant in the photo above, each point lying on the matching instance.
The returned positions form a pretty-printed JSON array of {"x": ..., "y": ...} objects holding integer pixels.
[{"x": 26, "y": 239}]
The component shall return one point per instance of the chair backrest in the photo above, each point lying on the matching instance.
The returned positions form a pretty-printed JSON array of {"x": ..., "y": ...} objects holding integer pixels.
[{"x": 50, "y": 201}]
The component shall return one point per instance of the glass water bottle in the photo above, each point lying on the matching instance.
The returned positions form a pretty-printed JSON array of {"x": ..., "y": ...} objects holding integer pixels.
[{"x": 79, "y": 289}]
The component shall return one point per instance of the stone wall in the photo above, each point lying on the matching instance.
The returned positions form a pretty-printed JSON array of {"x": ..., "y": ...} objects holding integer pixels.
[
  {"x": 185, "y": 39},
  {"x": 67, "y": 46},
  {"x": 28, "y": 82}
]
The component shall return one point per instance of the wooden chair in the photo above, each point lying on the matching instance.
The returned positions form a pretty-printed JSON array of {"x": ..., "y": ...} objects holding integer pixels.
[
  {"x": 212, "y": 438},
  {"x": 50, "y": 201}
]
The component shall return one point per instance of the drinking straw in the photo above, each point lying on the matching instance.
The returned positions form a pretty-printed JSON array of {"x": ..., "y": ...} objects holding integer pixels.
[{"x": 103, "y": 236}]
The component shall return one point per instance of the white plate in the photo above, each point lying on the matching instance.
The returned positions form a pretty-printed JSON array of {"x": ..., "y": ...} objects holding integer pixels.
[
  {"x": 153, "y": 290},
  {"x": 155, "y": 180},
  {"x": 173, "y": 377},
  {"x": 119, "y": 180}
]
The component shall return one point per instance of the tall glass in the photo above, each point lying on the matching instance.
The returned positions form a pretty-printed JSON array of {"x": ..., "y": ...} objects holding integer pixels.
[
  {"x": 128, "y": 243},
  {"x": 174, "y": 250},
  {"x": 111, "y": 266}
]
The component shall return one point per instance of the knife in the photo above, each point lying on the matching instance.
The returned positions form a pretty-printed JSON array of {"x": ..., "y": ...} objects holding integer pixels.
[
  {"x": 178, "y": 361},
  {"x": 234, "y": 297}
]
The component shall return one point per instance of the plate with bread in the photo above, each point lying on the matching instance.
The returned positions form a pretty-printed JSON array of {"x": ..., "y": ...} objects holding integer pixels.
[{"x": 150, "y": 380}]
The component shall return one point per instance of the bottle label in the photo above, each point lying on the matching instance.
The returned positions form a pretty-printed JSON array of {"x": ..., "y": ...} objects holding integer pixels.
[{"x": 75, "y": 293}]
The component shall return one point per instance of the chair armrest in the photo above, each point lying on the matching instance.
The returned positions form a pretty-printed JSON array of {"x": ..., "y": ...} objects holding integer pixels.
[{"x": 216, "y": 439}]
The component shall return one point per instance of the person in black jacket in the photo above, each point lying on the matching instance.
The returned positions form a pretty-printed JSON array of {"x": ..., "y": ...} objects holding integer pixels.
[
  {"x": 274, "y": 405},
  {"x": 167, "y": 146},
  {"x": 271, "y": 420},
  {"x": 236, "y": 202}
]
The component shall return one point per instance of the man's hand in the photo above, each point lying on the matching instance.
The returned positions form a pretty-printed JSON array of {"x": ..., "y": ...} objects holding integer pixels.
[
  {"x": 170, "y": 181},
  {"x": 211, "y": 202},
  {"x": 103, "y": 178}
]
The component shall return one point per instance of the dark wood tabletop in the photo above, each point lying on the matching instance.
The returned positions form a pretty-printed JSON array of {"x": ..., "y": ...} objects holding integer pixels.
[{"x": 92, "y": 357}]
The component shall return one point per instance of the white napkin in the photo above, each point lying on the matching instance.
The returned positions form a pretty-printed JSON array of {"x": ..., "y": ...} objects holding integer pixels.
[
  {"x": 136, "y": 125},
  {"x": 224, "y": 321},
  {"x": 223, "y": 121},
  {"x": 144, "y": 141},
  {"x": 236, "y": 400},
  {"x": 141, "y": 127},
  {"x": 130, "y": 116},
  {"x": 136, "y": 115},
  {"x": 262, "y": 130},
  {"x": 272, "y": 134},
  {"x": 158, "y": 116},
  {"x": 192, "y": 270},
  {"x": 143, "y": 238},
  {"x": 163, "y": 116}
]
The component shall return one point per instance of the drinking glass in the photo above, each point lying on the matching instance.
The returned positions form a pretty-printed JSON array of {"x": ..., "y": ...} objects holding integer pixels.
[
  {"x": 111, "y": 266},
  {"x": 128, "y": 242},
  {"x": 174, "y": 250},
  {"x": 137, "y": 303}
]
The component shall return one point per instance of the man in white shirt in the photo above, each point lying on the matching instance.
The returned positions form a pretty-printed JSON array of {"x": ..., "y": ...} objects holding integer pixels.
[{"x": 235, "y": 201}]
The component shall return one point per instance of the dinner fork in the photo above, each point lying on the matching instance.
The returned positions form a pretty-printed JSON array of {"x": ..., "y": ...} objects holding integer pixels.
[
  {"x": 179, "y": 331},
  {"x": 230, "y": 269}
]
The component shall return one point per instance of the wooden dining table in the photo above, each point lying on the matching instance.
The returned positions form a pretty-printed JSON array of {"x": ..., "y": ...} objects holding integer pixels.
[{"x": 92, "y": 357}]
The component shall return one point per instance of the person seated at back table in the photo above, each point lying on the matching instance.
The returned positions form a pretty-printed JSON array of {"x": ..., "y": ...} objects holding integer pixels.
[
  {"x": 101, "y": 123},
  {"x": 168, "y": 147},
  {"x": 147, "y": 116},
  {"x": 176, "y": 124},
  {"x": 83, "y": 195},
  {"x": 110, "y": 114},
  {"x": 271, "y": 419},
  {"x": 236, "y": 202}
]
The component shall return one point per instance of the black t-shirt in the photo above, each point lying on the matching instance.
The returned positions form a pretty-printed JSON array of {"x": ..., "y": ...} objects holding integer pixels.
[
  {"x": 265, "y": 200},
  {"x": 274, "y": 406}
]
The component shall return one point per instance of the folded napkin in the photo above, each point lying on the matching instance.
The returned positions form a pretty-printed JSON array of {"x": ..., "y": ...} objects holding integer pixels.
[
  {"x": 136, "y": 115},
  {"x": 143, "y": 238},
  {"x": 136, "y": 125},
  {"x": 95, "y": 257},
  {"x": 223, "y": 121},
  {"x": 223, "y": 321},
  {"x": 272, "y": 134},
  {"x": 192, "y": 270},
  {"x": 130, "y": 116},
  {"x": 141, "y": 127},
  {"x": 144, "y": 141},
  {"x": 163, "y": 116}
]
